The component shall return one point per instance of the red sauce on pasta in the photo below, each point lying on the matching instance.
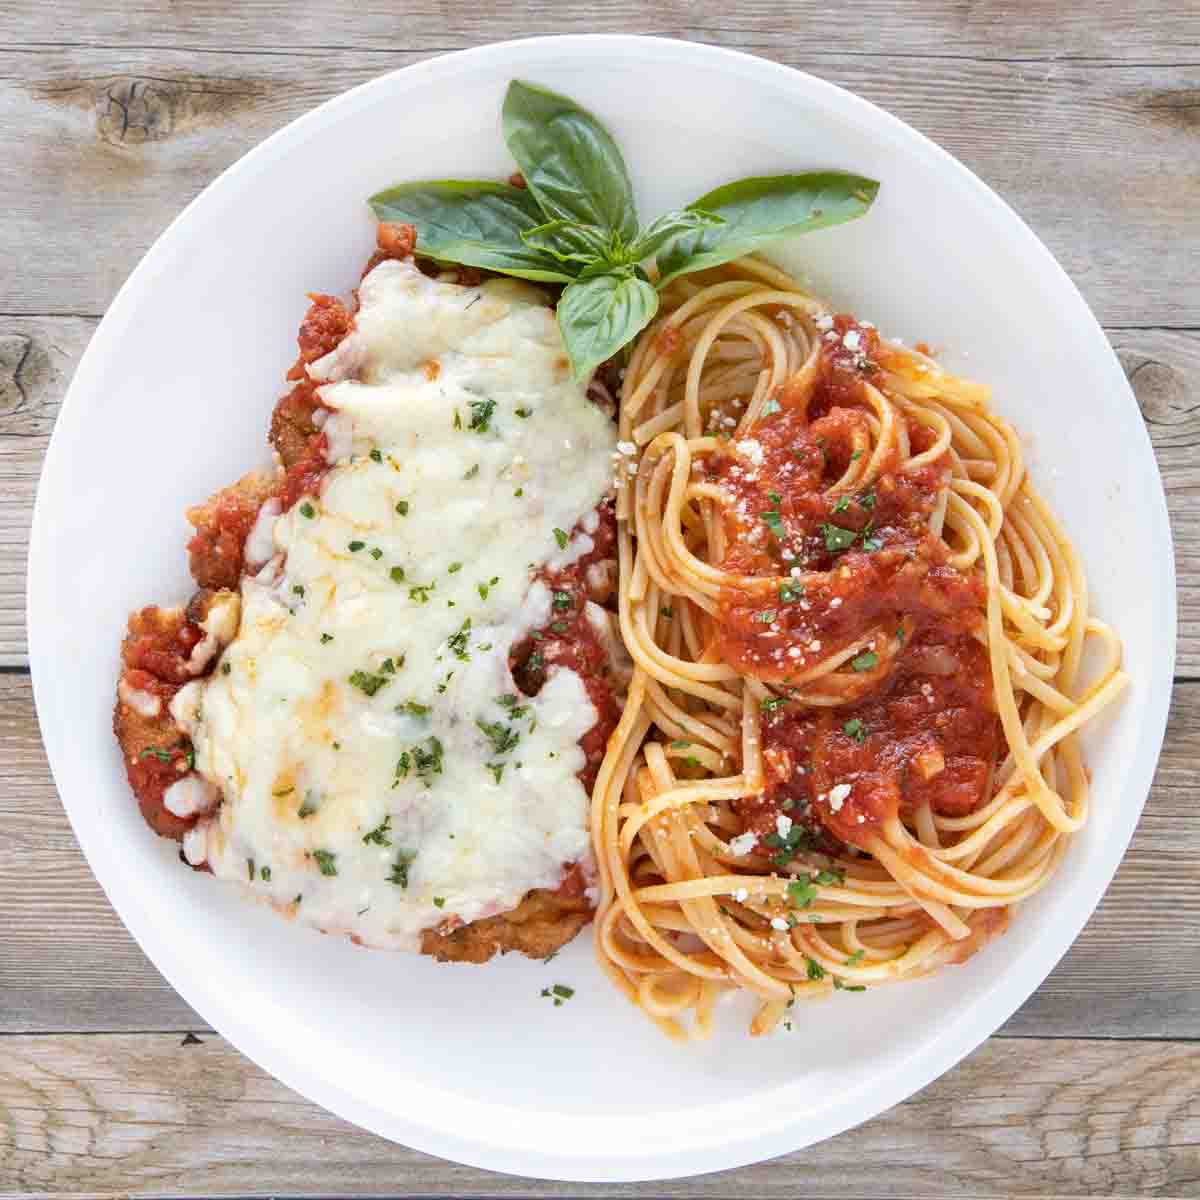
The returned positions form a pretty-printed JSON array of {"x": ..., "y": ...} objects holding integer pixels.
[{"x": 852, "y": 576}]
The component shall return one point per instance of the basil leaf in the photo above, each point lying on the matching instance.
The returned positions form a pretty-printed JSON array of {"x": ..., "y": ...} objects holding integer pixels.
[
  {"x": 759, "y": 210},
  {"x": 569, "y": 241},
  {"x": 668, "y": 227},
  {"x": 598, "y": 316},
  {"x": 569, "y": 160},
  {"x": 474, "y": 222}
]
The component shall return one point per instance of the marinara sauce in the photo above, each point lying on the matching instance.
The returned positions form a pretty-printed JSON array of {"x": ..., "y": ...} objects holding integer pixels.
[
  {"x": 922, "y": 730},
  {"x": 569, "y": 639}
]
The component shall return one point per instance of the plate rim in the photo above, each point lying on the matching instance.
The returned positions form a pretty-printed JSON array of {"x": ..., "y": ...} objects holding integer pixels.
[{"x": 971, "y": 1028}]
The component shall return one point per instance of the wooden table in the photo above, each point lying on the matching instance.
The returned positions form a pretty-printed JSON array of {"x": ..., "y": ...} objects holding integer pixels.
[{"x": 1085, "y": 116}]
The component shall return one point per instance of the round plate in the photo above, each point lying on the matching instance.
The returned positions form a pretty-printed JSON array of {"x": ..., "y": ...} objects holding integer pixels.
[{"x": 172, "y": 401}]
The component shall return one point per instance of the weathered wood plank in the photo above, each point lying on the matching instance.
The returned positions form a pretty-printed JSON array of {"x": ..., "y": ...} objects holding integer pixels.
[
  {"x": 163, "y": 1115},
  {"x": 66, "y": 962},
  {"x": 38, "y": 356},
  {"x": 1152, "y": 30},
  {"x": 1097, "y": 157},
  {"x": 37, "y": 359}
]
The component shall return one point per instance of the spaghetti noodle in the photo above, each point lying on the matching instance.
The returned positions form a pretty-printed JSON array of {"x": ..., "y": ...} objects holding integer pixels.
[{"x": 849, "y": 745}]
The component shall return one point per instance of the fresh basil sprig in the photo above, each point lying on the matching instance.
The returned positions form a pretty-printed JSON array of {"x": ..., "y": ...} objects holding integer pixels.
[
  {"x": 477, "y": 223},
  {"x": 757, "y": 211},
  {"x": 576, "y": 223},
  {"x": 569, "y": 160}
]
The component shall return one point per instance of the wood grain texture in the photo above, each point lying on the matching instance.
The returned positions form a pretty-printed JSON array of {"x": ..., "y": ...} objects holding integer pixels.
[
  {"x": 39, "y": 355},
  {"x": 1099, "y": 157},
  {"x": 1144, "y": 31},
  {"x": 169, "y": 1116},
  {"x": 66, "y": 962}
]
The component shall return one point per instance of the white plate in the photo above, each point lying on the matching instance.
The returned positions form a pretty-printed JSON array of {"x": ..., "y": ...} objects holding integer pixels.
[{"x": 172, "y": 400}]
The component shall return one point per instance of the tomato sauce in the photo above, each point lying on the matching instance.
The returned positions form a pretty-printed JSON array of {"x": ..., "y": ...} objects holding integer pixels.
[
  {"x": 570, "y": 640},
  {"x": 918, "y": 725}
]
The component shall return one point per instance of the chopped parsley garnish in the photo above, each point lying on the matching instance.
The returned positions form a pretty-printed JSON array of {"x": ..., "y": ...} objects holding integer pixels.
[
  {"x": 801, "y": 891},
  {"x": 457, "y": 422},
  {"x": 471, "y": 472},
  {"x": 484, "y": 588},
  {"x": 900, "y": 634},
  {"x": 250, "y": 869},
  {"x": 156, "y": 752},
  {"x": 503, "y": 737},
  {"x": 376, "y": 456},
  {"x": 326, "y": 862},
  {"x": 298, "y": 589},
  {"x": 855, "y": 958},
  {"x": 460, "y": 641},
  {"x": 814, "y": 969},
  {"x": 326, "y": 638},
  {"x": 427, "y": 760},
  {"x": 830, "y": 878},
  {"x": 397, "y": 574},
  {"x": 773, "y": 704},
  {"x": 439, "y": 901},
  {"x": 848, "y": 987},
  {"x": 680, "y": 745},
  {"x": 558, "y": 993},
  {"x": 225, "y": 668},
  {"x": 790, "y": 593},
  {"x": 865, "y": 661},
  {"x": 667, "y": 612},
  {"x": 843, "y": 503},
  {"x": 871, "y": 544},
  {"x": 379, "y": 835},
  {"x": 454, "y": 568},
  {"x": 561, "y": 538},
  {"x": 771, "y": 518},
  {"x": 497, "y": 770},
  {"x": 420, "y": 592},
  {"x": 855, "y": 729},
  {"x": 375, "y": 553},
  {"x": 856, "y": 456},
  {"x": 562, "y": 600},
  {"x": 519, "y": 492},
  {"x": 787, "y": 846},
  {"x": 404, "y": 860},
  {"x": 523, "y": 413},
  {"x": 265, "y": 874},
  {"x": 481, "y": 414},
  {"x": 867, "y": 500},
  {"x": 355, "y": 546},
  {"x": 837, "y": 538},
  {"x": 414, "y": 709},
  {"x": 366, "y": 682},
  {"x": 308, "y": 807},
  {"x": 766, "y": 616},
  {"x": 388, "y": 666},
  {"x": 307, "y": 510},
  {"x": 509, "y": 701},
  {"x": 691, "y": 761},
  {"x": 402, "y": 507}
]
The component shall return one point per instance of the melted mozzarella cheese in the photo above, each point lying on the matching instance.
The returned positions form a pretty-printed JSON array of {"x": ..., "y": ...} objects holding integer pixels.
[{"x": 380, "y": 773}]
